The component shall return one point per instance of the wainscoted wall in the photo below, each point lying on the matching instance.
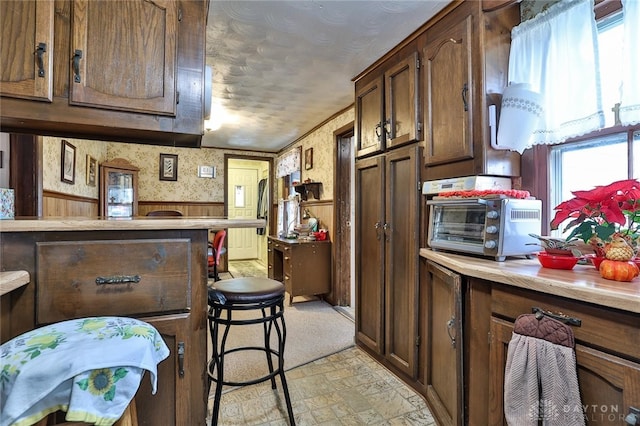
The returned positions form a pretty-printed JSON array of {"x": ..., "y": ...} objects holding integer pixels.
[
  {"x": 322, "y": 140},
  {"x": 193, "y": 195},
  {"x": 196, "y": 196}
]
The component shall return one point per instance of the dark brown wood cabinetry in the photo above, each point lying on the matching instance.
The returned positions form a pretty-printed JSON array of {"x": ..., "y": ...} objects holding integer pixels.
[
  {"x": 465, "y": 65},
  {"x": 304, "y": 267},
  {"x": 441, "y": 359},
  {"x": 387, "y": 108},
  {"x": 607, "y": 360},
  {"x": 387, "y": 190},
  {"x": 158, "y": 276},
  {"x": 468, "y": 388},
  {"x": 124, "y": 55},
  {"x": 129, "y": 71},
  {"x": 26, "y": 63}
]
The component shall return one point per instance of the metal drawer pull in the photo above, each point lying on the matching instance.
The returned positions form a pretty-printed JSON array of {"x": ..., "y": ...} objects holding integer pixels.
[
  {"x": 118, "y": 279},
  {"x": 560, "y": 317}
]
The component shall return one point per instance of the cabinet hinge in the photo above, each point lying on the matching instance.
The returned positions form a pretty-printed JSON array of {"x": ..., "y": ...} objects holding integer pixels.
[
  {"x": 417, "y": 340},
  {"x": 418, "y": 63},
  {"x": 179, "y": 14},
  {"x": 489, "y": 338},
  {"x": 419, "y": 186}
]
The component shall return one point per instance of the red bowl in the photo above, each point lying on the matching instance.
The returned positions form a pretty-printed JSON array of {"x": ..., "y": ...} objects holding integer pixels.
[
  {"x": 595, "y": 260},
  {"x": 556, "y": 262}
]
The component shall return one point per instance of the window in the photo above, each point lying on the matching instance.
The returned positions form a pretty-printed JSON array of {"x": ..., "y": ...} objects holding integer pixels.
[{"x": 601, "y": 157}]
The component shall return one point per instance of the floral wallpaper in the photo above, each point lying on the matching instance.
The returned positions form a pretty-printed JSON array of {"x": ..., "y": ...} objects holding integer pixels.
[
  {"x": 188, "y": 187},
  {"x": 529, "y": 9},
  {"x": 52, "y": 164},
  {"x": 323, "y": 144}
]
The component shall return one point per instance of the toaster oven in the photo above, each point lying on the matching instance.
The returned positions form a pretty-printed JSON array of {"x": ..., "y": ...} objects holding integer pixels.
[{"x": 495, "y": 226}]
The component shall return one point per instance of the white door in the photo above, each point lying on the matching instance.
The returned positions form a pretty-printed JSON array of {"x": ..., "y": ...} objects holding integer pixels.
[{"x": 243, "y": 204}]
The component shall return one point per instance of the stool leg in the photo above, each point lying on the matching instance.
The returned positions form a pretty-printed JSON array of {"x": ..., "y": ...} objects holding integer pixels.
[
  {"x": 282, "y": 337},
  {"x": 267, "y": 343},
  {"x": 218, "y": 362}
]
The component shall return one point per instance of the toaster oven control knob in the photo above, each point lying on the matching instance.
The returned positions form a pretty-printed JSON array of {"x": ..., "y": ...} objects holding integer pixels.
[
  {"x": 490, "y": 244},
  {"x": 491, "y": 229},
  {"x": 493, "y": 214}
]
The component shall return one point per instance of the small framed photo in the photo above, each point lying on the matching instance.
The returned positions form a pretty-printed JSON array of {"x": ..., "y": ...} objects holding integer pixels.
[
  {"x": 68, "y": 163},
  {"x": 206, "y": 171},
  {"x": 308, "y": 159},
  {"x": 168, "y": 167},
  {"x": 92, "y": 170}
]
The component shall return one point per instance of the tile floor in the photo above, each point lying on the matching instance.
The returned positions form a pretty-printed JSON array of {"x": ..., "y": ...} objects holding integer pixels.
[{"x": 346, "y": 388}]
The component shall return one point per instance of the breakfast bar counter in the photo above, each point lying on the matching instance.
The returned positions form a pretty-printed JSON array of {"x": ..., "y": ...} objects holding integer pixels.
[
  {"x": 150, "y": 268},
  {"x": 582, "y": 283}
]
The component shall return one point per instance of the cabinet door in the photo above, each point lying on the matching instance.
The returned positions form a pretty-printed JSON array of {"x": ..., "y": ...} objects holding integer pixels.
[
  {"x": 401, "y": 258},
  {"x": 124, "y": 55},
  {"x": 179, "y": 399},
  {"x": 369, "y": 111},
  {"x": 609, "y": 385},
  {"x": 448, "y": 86},
  {"x": 443, "y": 340},
  {"x": 26, "y": 62},
  {"x": 401, "y": 103},
  {"x": 369, "y": 269}
]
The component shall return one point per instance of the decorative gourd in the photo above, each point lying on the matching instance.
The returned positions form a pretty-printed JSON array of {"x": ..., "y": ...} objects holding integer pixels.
[{"x": 618, "y": 270}]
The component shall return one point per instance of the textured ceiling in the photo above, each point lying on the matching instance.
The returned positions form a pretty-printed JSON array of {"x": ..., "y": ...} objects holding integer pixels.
[{"x": 282, "y": 67}]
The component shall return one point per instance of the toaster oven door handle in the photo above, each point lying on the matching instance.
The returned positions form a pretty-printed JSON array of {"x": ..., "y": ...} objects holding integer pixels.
[{"x": 458, "y": 201}]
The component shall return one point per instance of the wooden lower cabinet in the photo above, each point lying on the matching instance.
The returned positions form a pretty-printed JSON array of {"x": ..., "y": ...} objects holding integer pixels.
[
  {"x": 443, "y": 343},
  {"x": 608, "y": 364},
  {"x": 465, "y": 325},
  {"x": 156, "y": 276}
]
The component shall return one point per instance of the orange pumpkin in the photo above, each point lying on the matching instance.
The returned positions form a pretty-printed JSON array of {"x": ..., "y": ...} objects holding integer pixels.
[{"x": 618, "y": 270}]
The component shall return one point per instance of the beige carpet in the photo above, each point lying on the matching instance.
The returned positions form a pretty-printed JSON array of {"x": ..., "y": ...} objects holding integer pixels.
[{"x": 314, "y": 330}]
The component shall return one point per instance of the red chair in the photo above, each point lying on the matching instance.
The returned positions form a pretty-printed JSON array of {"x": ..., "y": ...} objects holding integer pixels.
[{"x": 216, "y": 249}]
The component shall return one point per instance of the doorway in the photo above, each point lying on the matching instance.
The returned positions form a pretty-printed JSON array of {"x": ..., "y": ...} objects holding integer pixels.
[
  {"x": 248, "y": 194},
  {"x": 344, "y": 284}
]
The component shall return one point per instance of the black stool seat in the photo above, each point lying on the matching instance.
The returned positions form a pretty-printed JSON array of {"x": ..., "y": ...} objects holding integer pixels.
[
  {"x": 246, "y": 290},
  {"x": 263, "y": 295}
]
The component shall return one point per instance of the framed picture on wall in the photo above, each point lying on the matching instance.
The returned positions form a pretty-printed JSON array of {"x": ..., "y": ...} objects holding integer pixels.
[
  {"x": 92, "y": 170},
  {"x": 308, "y": 159},
  {"x": 168, "y": 167},
  {"x": 68, "y": 163}
]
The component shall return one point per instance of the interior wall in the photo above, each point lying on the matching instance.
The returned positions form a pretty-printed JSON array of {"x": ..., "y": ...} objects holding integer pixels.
[{"x": 5, "y": 152}]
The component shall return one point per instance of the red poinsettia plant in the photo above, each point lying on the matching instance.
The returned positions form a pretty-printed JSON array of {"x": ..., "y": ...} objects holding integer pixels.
[{"x": 601, "y": 212}]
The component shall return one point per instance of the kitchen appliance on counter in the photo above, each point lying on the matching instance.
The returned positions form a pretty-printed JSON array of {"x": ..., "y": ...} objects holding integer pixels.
[{"x": 494, "y": 225}]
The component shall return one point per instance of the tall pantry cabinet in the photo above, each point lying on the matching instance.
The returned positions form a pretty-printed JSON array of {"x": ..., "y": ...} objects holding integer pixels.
[{"x": 387, "y": 192}]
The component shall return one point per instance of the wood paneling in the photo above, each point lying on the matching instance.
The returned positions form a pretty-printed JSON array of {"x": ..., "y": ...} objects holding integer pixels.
[{"x": 56, "y": 204}]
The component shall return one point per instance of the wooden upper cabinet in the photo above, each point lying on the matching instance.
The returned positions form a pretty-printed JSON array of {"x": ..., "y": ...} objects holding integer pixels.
[
  {"x": 387, "y": 108},
  {"x": 123, "y": 55},
  {"x": 369, "y": 113},
  {"x": 401, "y": 102},
  {"x": 26, "y": 62},
  {"x": 448, "y": 83}
]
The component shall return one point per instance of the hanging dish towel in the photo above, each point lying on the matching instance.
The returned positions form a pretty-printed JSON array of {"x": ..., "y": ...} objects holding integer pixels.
[{"x": 540, "y": 380}]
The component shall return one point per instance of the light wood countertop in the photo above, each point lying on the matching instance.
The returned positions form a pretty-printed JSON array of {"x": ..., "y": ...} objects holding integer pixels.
[
  {"x": 11, "y": 280},
  {"x": 141, "y": 223},
  {"x": 582, "y": 283}
]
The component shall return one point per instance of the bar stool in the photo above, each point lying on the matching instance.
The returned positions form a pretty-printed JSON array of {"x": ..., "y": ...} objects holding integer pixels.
[{"x": 247, "y": 294}]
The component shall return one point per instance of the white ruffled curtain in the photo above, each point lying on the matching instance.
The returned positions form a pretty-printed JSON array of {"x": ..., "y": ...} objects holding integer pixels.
[
  {"x": 289, "y": 163},
  {"x": 556, "y": 52},
  {"x": 630, "y": 89}
]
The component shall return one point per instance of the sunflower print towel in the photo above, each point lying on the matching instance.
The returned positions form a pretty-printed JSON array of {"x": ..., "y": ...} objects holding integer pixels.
[{"x": 90, "y": 367}]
